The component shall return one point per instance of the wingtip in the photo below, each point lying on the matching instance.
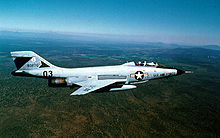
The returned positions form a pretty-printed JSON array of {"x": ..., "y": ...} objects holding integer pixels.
[{"x": 74, "y": 94}]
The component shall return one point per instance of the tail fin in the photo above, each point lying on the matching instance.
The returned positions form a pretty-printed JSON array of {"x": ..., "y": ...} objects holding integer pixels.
[{"x": 27, "y": 60}]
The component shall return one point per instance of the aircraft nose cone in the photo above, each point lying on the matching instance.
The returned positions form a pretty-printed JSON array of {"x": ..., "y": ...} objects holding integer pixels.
[{"x": 179, "y": 71}]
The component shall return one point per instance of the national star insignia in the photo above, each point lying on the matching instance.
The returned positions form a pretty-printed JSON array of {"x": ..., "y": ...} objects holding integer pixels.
[{"x": 139, "y": 75}]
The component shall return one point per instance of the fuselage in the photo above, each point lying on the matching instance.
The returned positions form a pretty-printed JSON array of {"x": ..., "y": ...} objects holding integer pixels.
[{"x": 119, "y": 70}]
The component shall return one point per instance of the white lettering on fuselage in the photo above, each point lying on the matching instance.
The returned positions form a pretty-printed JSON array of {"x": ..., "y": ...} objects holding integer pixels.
[{"x": 33, "y": 65}]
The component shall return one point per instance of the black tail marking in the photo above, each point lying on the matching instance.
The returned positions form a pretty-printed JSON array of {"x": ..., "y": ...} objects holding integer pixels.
[
  {"x": 43, "y": 65},
  {"x": 20, "y": 61}
]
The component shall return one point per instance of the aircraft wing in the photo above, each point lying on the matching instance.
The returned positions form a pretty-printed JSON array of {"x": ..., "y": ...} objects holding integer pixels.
[{"x": 91, "y": 85}]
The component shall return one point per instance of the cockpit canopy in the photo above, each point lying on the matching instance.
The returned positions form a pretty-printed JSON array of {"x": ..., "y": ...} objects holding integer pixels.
[{"x": 144, "y": 63}]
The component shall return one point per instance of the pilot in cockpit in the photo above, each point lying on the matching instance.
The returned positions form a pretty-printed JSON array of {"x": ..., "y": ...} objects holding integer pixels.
[{"x": 141, "y": 63}]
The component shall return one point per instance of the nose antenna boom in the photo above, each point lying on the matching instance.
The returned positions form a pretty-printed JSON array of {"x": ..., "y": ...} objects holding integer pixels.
[{"x": 188, "y": 72}]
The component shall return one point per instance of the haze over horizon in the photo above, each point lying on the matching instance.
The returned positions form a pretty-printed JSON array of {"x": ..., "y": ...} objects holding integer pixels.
[{"x": 182, "y": 22}]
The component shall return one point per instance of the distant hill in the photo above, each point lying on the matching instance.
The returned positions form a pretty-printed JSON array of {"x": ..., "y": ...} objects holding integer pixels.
[
  {"x": 214, "y": 47},
  {"x": 95, "y": 38}
]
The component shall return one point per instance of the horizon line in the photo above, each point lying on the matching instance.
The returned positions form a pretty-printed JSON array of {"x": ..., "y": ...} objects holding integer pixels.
[{"x": 105, "y": 36}]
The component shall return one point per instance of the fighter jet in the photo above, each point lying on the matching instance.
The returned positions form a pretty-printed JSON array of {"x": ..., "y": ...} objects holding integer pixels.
[{"x": 90, "y": 79}]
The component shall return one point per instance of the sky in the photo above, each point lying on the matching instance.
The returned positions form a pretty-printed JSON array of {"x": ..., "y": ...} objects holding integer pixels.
[{"x": 170, "y": 21}]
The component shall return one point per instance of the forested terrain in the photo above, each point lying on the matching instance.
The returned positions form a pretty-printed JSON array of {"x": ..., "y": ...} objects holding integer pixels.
[{"x": 183, "y": 106}]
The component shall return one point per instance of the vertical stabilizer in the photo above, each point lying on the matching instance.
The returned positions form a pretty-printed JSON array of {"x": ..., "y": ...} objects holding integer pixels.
[{"x": 27, "y": 60}]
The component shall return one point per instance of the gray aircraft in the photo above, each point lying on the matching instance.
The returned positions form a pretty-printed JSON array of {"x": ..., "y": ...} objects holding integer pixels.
[{"x": 90, "y": 79}]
